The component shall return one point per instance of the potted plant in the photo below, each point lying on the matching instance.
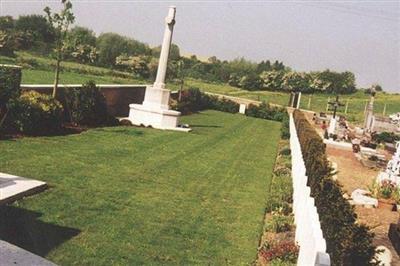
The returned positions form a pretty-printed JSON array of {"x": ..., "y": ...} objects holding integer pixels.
[{"x": 386, "y": 192}]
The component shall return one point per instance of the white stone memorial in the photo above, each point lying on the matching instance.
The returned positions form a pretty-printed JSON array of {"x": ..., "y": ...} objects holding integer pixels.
[
  {"x": 392, "y": 171},
  {"x": 154, "y": 111}
]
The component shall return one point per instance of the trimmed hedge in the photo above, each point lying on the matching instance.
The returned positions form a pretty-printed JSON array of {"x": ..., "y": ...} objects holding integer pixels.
[
  {"x": 10, "y": 80},
  {"x": 193, "y": 100},
  {"x": 348, "y": 243}
]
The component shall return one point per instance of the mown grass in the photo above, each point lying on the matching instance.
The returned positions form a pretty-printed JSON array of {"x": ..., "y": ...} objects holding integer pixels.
[
  {"x": 134, "y": 196},
  {"x": 38, "y": 70}
]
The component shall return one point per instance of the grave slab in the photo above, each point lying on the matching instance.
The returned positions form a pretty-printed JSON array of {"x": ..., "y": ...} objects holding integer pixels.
[
  {"x": 13, "y": 255},
  {"x": 14, "y": 187}
]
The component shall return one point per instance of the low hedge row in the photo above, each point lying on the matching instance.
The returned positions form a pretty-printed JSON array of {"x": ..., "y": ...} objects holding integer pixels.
[
  {"x": 348, "y": 243},
  {"x": 193, "y": 100}
]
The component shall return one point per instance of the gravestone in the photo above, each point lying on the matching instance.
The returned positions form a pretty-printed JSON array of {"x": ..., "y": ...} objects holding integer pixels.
[
  {"x": 392, "y": 171},
  {"x": 154, "y": 111},
  {"x": 334, "y": 106}
]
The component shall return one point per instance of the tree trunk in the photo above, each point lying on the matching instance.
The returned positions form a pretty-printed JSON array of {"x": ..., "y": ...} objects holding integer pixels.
[{"x": 57, "y": 75}]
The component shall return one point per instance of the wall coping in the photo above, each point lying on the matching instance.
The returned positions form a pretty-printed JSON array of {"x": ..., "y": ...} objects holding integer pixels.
[{"x": 45, "y": 86}]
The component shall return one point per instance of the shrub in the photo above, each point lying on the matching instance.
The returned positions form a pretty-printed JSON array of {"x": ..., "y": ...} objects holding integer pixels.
[
  {"x": 347, "y": 241},
  {"x": 36, "y": 114},
  {"x": 86, "y": 105},
  {"x": 284, "y": 250},
  {"x": 384, "y": 190},
  {"x": 279, "y": 223},
  {"x": 385, "y": 137},
  {"x": 285, "y": 152},
  {"x": 266, "y": 111},
  {"x": 193, "y": 100},
  {"x": 10, "y": 80}
]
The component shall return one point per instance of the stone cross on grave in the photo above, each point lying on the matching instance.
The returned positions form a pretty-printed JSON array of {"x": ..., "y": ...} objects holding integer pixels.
[
  {"x": 154, "y": 111},
  {"x": 334, "y": 105}
]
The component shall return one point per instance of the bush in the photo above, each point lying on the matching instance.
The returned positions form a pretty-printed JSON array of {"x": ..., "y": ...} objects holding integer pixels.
[
  {"x": 285, "y": 152},
  {"x": 389, "y": 137},
  {"x": 36, "y": 114},
  {"x": 86, "y": 105},
  {"x": 10, "y": 80},
  {"x": 348, "y": 243},
  {"x": 193, "y": 100},
  {"x": 266, "y": 111},
  {"x": 285, "y": 251},
  {"x": 279, "y": 223}
]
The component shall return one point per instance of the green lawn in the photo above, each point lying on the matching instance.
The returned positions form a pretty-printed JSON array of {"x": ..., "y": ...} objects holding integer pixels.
[{"x": 133, "y": 196}]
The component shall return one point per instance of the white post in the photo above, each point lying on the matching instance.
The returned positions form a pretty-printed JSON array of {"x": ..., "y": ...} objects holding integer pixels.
[
  {"x": 347, "y": 106},
  {"x": 327, "y": 104},
  {"x": 298, "y": 101},
  {"x": 165, "y": 47}
]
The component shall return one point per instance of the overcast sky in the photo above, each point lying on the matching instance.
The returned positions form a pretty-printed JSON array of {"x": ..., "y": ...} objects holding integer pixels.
[{"x": 359, "y": 36}]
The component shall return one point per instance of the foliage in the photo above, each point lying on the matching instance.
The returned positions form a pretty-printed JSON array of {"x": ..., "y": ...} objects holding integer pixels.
[
  {"x": 111, "y": 45},
  {"x": 250, "y": 82},
  {"x": 347, "y": 241},
  {"x": 382, "y": 137},
  {"x": 192, "y": 100},
  {"x": 279, "y": 223},
  {"x": 41, "y": 32},
  {"x": 137, "y": 64},
  {"x": 272, "y": 80},
  {"x": 61, "y": 22},
  {"x": 34, "y": 113},
  {"x": 267, "y": 111},
  {"x": 384, "y": 190},
  {"x": 10, "y": 80},
  {"x": 283, "y": 250},
  {"x": 86, "y": 105}
]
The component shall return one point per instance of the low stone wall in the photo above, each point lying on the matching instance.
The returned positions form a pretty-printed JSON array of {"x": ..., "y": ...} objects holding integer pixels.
[
  {"x": 308, "y": 228},
  {"x": 118, "y": 97}
]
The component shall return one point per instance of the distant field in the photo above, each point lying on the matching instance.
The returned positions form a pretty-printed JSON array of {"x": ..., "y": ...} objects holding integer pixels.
[
  {"x": 38, "y": 70},
  {"x": 315, "y": 102}
]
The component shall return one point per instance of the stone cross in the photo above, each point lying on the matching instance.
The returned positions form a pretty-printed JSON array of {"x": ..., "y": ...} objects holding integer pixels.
[
  {"x": 166, "y": 45},
  {"x": 335, "y": 104},
  {"x": 154, "y": 111},
  {"x": 369, "y": 114}
]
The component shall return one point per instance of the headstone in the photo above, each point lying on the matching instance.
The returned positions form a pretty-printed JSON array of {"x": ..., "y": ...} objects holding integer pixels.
[
  {"x": 369, "y": 113},
  {"x": 155, "y": 112},
  {"x": 392, "y": 171},
  {"x": 334, "y": 106},
  {"x": 242, "y": 108}
]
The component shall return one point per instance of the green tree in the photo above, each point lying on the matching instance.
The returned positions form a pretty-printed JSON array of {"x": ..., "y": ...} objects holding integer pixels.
[
  {"x": 272, "y": 80},
  {"x": 61, "y": 22},
  {"x": 174, "y": 52},
  {"x": 111, "y": 45},
  {"x": 250, "y": 82},
  {"x": 41, "y": 31},
  {"x": 137, "y": 64},
  {"x": 297, "y": 81}
]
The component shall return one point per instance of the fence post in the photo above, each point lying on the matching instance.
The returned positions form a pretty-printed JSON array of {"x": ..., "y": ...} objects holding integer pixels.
[{"x": 327, "y": 104}]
